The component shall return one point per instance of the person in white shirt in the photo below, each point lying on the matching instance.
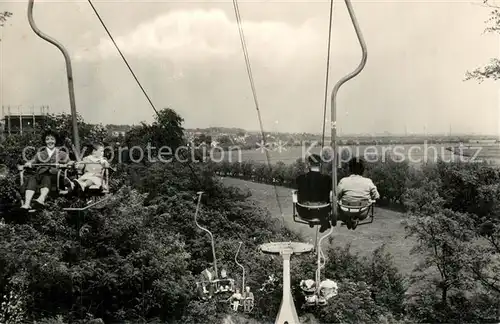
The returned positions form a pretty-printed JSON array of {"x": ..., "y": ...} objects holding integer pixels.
[
  {"x": 355, "y": 190},
  {"x": 328, "y": 288},
  {"x": 93, "y": 165}
]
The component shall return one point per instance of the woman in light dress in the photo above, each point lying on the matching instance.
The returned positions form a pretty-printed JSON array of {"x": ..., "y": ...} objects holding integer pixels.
[{"x": 92, "y": 166}]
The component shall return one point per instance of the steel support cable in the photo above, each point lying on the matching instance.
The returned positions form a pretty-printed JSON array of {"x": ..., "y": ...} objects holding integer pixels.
[
  {"x": 256, "y": 102},
  {"x": 135, "y": 77},
  {"x": 325, "y": 100}
]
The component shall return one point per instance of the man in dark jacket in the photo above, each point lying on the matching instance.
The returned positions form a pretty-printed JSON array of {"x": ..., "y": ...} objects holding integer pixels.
[{"x": 315, "y": 188}]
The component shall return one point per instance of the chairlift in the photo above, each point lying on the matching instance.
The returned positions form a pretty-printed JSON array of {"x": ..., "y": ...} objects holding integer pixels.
[
  {"x": 248, "y": 297},
  {"x": 313, "y": 295},
  {"x": 216, "y": 284},
  {"x": 62, "y": 174},
  {"x": 94, "y": 195},
  {"x": 309, "y": 215},
  {"x": 61, "y": 177},
  {"x": 312, "y": 215},
  {"x": 361, "y": 213}
]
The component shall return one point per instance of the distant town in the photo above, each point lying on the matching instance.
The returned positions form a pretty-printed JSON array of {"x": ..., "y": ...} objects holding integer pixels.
[
  {"x": 226, "y": 137},
  {"x": 235, "y": 136}
]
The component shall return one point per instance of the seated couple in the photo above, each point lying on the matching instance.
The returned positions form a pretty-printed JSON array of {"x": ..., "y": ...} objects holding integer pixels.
[
  {"x": 315, "y": 189},
  {"x": 327, "y": 288}
]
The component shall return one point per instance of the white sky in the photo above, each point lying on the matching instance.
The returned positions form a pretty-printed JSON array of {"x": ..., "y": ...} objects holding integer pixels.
[{"x": 188, "y": 56}]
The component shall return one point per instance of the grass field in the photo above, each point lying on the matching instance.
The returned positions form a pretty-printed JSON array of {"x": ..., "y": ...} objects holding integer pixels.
[{"x": 386, "y": 228}]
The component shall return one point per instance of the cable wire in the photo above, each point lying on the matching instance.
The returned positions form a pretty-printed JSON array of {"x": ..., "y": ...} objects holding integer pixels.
[
  {"x": 123, "y": 57},
  {"x": 327, "y": 73},
  {"x": 135, "y": 77},
  {"x": 254, "y": 92}
]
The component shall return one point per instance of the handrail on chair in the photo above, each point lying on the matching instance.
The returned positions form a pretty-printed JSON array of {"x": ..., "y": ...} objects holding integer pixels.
[
  {"x": 335, "y": 90},
  {"x": 69, "y": 74},
  {"x": 200, "y": 193}
]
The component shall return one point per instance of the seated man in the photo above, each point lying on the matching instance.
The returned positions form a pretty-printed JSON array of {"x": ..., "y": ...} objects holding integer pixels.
[
  {"x": 248, "y": 293},
  {"x": 314, "y": 188},
  {"x": 356, "y": 191},
  {"x": 248, "y": 300},
  {"x": 328, "y": 288}
]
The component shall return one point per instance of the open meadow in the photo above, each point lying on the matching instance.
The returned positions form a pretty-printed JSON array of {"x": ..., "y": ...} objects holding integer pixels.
[{"x": 416, "y": 154}]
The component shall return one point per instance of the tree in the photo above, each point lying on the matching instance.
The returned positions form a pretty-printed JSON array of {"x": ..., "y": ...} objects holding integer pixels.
[
  {"x": 492, "y": 69},
  {"x": 134, "y": 260}
]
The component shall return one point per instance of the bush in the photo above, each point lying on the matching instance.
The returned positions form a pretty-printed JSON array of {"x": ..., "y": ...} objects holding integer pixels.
[{"x": 137, "y": 258}]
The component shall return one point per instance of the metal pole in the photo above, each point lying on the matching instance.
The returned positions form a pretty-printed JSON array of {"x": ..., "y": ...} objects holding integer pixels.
[
  {"x": 334, "y": 103},
  {"x": 20, "y": 120},
  {"x": 200, "y": 193},
  {"x": 241, "y": 266},
  {"x": 69, "y": 72},
  {"x": 320, "y": 255},
  {"x": 8, "y": 109}
]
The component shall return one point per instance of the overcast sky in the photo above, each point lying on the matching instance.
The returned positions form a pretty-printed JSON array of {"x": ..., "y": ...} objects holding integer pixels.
[{"x": 188, "y": 56}]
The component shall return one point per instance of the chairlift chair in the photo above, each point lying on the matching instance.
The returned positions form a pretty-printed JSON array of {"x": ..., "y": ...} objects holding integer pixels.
[
  {"x": 61, "y": 178},
  {"x": 217, "y": 283},
  {"x": 95, "y": 193},
  {"x": 248, "y": 304},
  {"x": 309, "y": 215},
  {"x": 248, "y": 301},
  {"x": 62, "y": 174},
  {"x": 358, "y": 211},
  {"x": 216, "y": 286}
]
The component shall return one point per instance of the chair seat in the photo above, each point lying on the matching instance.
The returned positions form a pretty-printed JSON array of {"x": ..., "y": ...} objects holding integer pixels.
[
  {"x": 354, "y": 210},
  {"x": 315, "y": 207},
  {"x": 355, "y": 207},
  {"x": 313, "y": 214}
]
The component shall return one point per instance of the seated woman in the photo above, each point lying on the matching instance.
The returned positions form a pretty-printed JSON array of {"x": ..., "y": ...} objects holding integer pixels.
[
  {"x": 314, "y": 189},
  {"x": 355, "y": 191},
  {"x": 93, "y": 170},
  {"x": 235, "y": 299},
  {"x": 45, "y": 175}
]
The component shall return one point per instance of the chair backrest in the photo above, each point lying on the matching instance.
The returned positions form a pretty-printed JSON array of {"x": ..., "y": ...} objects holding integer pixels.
[{"x": 314, "y": 186}]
